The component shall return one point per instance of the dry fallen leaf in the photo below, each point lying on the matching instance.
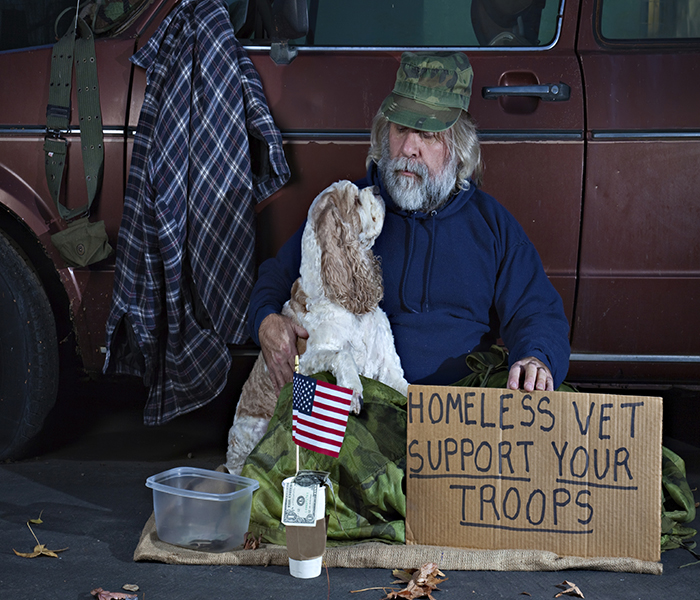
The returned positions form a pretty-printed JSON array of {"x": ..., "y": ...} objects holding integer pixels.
[
  {"x": 130, "y": 587},
  {"x": 39, "y": 549},
  {"x": 419, "y": 582},
  {"x": 101, "y": 594},
  {"x": 38, "y": 520},
  {"x": 570, "y": 589},
  {"x": 250, "y": 542}
]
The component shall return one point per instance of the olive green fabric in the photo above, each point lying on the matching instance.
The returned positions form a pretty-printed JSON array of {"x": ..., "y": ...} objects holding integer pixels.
[
  {"x": 490, "y": 369},
  {"x": 82, "y": 243},
  {"x": 369, "y": 500},
  {"x": 77, "y": 45},
  {"x": 678, "y": 505}
]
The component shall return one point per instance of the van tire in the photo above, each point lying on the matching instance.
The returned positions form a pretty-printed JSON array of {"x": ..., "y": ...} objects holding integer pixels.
[{"x": 28, "y": 354}]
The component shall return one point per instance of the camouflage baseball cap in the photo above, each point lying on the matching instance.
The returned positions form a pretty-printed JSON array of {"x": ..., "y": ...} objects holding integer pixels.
[{"x": 431, "y": 90}]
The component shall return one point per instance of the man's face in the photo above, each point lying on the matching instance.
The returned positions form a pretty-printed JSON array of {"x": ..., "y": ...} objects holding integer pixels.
[
  {"x": 424, "y": 146},
  {"x": 416, "y": 168}
]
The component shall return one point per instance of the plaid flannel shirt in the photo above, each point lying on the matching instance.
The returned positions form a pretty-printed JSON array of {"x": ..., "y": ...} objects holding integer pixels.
[{"x": 185, "y": 254}]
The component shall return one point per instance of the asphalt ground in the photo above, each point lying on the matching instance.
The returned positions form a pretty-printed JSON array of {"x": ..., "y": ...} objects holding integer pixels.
[{"x": 86, "y": 482}]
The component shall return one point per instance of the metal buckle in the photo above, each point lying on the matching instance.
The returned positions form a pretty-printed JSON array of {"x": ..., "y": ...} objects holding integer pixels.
[
  {"x": 57, "y": 134},
  {"x": 75, "y": 218}
]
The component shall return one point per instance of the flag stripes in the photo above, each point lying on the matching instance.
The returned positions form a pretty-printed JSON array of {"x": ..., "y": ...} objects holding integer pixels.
[{"x": 320, "y": 414}]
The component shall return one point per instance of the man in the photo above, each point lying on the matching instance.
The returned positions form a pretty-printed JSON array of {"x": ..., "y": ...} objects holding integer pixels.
[{"x": 459, "y": 271}]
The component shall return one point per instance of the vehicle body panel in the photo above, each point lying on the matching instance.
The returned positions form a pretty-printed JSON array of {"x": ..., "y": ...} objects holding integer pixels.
[
  {"x": 604, "y": 183},
  {"x": 640, "y": 251}
]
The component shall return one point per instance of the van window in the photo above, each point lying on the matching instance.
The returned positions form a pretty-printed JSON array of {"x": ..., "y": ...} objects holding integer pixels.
[
  {"x": 650, "y": 19},
  {"x": 417, "y": 23},
  {"x": 26, "y": 23},
  {"x": 29, "y": 23}
]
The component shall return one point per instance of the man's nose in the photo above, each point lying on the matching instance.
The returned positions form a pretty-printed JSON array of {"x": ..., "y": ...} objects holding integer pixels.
[{"x": 410, "y": 145}]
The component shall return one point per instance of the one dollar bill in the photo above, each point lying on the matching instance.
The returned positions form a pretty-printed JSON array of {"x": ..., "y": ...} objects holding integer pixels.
[{"x": 301, "y": 496}]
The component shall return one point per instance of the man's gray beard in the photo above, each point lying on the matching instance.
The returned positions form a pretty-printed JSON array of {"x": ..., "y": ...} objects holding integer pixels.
[{"x": 424, "y": 193}]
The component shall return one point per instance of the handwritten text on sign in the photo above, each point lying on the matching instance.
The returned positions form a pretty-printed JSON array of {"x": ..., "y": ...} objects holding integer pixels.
[{"x": 577, "y": 474}]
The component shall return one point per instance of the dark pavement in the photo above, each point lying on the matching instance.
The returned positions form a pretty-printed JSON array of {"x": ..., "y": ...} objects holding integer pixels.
[{"x": 87, "y": 481}]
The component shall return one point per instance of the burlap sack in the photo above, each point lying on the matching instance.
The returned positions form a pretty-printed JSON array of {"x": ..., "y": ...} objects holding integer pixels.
[{"x": 375, "y": 555}]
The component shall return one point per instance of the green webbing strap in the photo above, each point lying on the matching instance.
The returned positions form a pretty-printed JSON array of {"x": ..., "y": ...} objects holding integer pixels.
[{"x": 79, "y": 47}]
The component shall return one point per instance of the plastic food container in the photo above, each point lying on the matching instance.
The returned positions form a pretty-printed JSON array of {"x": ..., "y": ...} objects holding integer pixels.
[{"x": 202, "y": 509}]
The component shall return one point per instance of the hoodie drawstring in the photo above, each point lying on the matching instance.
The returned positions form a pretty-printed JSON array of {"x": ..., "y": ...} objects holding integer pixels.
[
  {"x": 408, "y": 264},
  {"x": 431, "y": 256}
]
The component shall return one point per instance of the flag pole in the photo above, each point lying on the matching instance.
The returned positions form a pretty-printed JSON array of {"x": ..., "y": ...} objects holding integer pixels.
[{"x": 296, "y": 370}]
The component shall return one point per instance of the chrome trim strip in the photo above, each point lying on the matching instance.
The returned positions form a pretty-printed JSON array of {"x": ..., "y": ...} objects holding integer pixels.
[
  {"x": 633, "y": 358},
  {"x": 484, "y": 136},
  {"x": 22, "y": 130},
  {"x": 470, "y": 49},
  {"x": 362, "y": 136},
  {"x": 520, "y": 136},
  {"x": 40, "y": 130},
  {"x": 644, "y": 135}
]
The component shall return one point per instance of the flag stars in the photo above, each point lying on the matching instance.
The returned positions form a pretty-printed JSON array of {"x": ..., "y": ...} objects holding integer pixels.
[{"x": 303, "y": 390}]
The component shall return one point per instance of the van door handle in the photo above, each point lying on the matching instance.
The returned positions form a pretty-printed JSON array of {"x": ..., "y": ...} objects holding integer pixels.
[{"x": 550, "y": 92}]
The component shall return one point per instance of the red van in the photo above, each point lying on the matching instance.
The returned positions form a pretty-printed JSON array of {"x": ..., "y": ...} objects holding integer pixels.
[{"x": 587, "y": 112}]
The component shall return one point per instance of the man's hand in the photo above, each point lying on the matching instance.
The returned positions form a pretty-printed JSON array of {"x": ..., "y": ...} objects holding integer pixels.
[
  {"x": 278, "y": 340},
  {"x": 530, "y": 374}
]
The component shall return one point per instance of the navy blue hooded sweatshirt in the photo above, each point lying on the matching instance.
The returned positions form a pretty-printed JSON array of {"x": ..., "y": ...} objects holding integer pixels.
[{"x": 455, "y": 280}]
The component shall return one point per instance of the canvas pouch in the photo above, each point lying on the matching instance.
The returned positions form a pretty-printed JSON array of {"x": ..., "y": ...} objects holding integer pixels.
[{"x": 82, "y": 243}]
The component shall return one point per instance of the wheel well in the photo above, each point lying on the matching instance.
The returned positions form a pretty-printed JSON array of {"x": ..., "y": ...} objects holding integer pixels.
[{"x": 32, "y": 251}]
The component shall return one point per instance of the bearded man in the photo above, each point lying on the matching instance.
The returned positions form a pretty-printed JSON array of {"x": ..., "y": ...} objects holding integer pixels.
[{"x": 459, "y": 271}]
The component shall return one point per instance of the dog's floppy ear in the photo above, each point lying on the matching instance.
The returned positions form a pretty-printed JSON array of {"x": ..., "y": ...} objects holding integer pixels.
[{"x": 351, "y": 275}]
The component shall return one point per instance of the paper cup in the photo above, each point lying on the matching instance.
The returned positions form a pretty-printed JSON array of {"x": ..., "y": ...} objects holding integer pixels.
[
  {"x": 306, "y": 544},
  {"x": 306, "y": 569}
]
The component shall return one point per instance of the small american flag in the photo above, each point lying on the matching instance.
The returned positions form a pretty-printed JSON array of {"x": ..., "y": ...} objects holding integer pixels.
[{"x": 320, "y": 414}]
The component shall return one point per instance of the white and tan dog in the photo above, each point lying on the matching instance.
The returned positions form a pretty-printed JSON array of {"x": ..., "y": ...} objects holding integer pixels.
[{"x": 336, "y": 299}]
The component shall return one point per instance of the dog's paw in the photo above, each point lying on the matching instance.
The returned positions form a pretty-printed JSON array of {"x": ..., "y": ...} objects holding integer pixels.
[
  {"x": 356, "y": 402},
  {"x": 243, "y": 436}
]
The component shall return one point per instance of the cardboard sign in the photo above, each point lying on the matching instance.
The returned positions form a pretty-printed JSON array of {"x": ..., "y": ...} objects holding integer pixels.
[{"x": 575, "y": 474}]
